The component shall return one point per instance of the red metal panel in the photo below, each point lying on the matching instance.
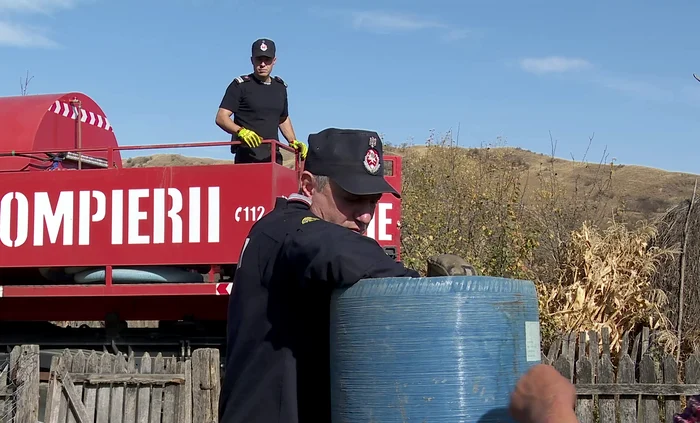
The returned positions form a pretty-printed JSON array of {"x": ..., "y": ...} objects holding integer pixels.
[
  {"x": 49, "y": 122},
  {"x": 385, "y": 225},
  {"x": 124, "y": 290},
  {"x": 123, "y": 216},
  {"x": 172, "y": 307}
]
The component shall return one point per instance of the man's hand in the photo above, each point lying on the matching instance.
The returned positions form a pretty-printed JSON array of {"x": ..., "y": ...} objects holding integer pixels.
[
  {"x": 449, "y": 265},
  {"x": 249, "y": 137},
  {"x": 298, "y": 145},
  {"x": 543, "y": 395}
]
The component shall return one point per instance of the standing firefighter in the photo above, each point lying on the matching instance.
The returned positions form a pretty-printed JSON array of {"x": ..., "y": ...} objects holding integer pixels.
[{"x": 259, "y": 105}]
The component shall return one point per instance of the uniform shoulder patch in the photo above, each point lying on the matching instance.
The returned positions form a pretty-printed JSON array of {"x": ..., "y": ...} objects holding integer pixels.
[
  {"x": 308, "y": 219},
  {"x": 241, "y": 79},
  {"x": 280, "y": 80}
]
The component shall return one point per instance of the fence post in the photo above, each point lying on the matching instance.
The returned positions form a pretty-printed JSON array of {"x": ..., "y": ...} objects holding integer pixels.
[
  {"x": 24, "y": 374},
  {"x": 205, "y": 385}
]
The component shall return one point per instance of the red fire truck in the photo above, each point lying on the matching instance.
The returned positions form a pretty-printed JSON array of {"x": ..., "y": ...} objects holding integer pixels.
[{"x": 84, "y": 238}]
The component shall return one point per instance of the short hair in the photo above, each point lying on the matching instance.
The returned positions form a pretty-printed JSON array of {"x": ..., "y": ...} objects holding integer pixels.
[{"x": 321, "y": 182}]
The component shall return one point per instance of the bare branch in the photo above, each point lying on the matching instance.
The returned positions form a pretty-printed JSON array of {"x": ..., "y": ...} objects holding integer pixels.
[{"x": 23, "y": 85}]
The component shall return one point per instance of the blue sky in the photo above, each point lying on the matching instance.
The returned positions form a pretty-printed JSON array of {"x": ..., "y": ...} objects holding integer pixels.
[{"x": 621, "y": 71}]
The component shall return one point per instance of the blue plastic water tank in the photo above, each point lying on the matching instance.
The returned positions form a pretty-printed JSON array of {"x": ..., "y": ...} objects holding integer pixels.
[{"x": 445, "y": 349}]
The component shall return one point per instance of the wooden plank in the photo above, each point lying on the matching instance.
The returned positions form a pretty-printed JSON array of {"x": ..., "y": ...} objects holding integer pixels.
[
  {"x": 645, "y": 341},
  {"x": 56, "y": 400},
  {"x": 185, "y": 394},
  {"x": 5, "y": 395},
  {"x": 584, "y": 374},
  {"x": 635, "y": 347},
  {"x": 627, "y": 405},
  {"x": 553, "y": 350},
  {"x": 129, "y": 379},
  {"x": 201, "y": 395},
  {"x": 571, "y": 353},
  {"x": 75, "y": 402},
  {"x": 593, "y": 352},
  {"x": 78, "y": 366},
  {"x": 24, "y": 367},
  {"x": 561, "y": 364},
  {"x": 53, "y": 392},
  {"x": 63, "y": 409},
  {"x": 692, "y": 370},
  {"x": 672, "y": 402},
  {"x": 130, "y": 392},
  {"x": 104, "y": 391},
  {"x": 90, "y": 390},
  {"x": 169, "y": 411},
  {"x": 637, "y": 389},
  {"x": 117, "y": 399},
  {"x": 649, "y": 403},
  {"x": 215, "y": 382},
  {"x": 157, "y": 391},
  {"x": 606, "y": 375},
  {"x": 144, "y": 393}
]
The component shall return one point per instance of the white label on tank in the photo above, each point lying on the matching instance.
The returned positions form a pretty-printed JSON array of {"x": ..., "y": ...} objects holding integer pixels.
[{"x": 532, "y": 341}]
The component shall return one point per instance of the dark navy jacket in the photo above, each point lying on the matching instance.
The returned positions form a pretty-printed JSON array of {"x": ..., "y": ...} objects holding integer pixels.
[{"x": 277, "y": 365}]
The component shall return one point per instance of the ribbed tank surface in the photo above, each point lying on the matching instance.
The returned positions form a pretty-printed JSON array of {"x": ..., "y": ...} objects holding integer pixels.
[{"x": 441, "y": 349}]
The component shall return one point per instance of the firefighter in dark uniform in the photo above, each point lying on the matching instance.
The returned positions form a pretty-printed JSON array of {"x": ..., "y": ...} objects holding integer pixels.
[
  {"x": 277, "y": 357},
  {"x": 258, "y": 102}
]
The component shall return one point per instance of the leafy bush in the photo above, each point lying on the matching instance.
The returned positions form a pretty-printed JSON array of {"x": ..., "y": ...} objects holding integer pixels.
[{"x": 465, "y": 202}]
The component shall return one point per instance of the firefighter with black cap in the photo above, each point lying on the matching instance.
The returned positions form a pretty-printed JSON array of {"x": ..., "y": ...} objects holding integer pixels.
[
  {"x": 277, "y": 367},
  {"x": 259, "y": 105}
]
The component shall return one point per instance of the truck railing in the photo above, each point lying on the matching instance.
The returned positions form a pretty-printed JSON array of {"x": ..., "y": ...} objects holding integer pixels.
[{"x": 117, "y": 164}]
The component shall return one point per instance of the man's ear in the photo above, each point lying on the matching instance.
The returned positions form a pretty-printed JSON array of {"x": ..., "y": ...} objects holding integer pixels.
[{"x": 307, "y": 184}]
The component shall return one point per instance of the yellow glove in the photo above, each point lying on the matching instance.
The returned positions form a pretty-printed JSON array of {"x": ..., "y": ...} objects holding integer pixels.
[
  {"x": 249, "y": 137},
  {"x": 298, "y": 145}
]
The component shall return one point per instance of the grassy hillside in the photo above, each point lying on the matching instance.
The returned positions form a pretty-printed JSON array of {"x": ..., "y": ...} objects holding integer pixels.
[
  {"x": 641, "y": 192},
  {"x": 645, "y": 192}
]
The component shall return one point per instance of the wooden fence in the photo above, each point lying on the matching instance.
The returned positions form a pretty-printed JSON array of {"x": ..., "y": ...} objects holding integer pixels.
[
  {"x": 107, "y": 388},
  {"x": 638, "y": 384}
]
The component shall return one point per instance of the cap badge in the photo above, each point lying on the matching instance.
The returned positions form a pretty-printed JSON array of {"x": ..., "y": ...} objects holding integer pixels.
[
  {"x": 263, "y": 46},
  {"x": 372, "y": 142},
  {"x": 371, "y": 161}
]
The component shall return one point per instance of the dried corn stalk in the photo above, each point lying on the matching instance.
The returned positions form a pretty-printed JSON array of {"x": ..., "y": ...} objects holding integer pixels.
[{"x": 605, "y": 282}]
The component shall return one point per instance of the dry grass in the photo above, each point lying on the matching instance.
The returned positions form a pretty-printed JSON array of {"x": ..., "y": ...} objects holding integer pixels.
[
  {"x": 164, "y": 160},
  {"x": 605, "y": 282},
  {"x": 672, "y": 234}
]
